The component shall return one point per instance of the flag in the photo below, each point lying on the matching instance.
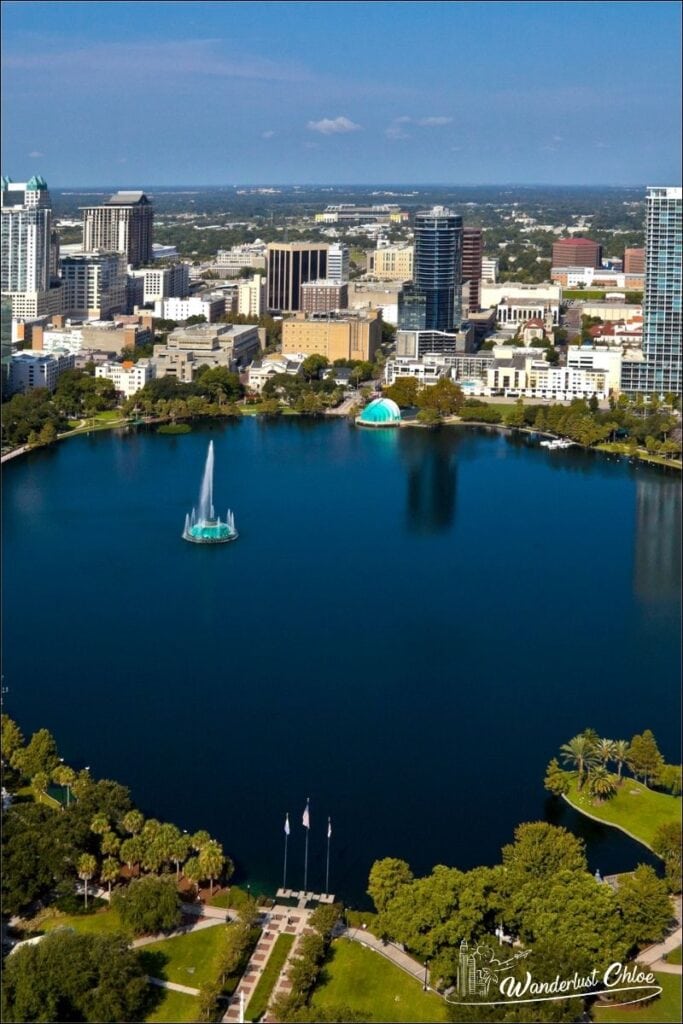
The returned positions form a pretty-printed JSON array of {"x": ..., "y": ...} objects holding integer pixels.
[
  {"x": 286, "y": 824},
  {"x": 329, "y": 827},
  {"x": 306, "y": 820}
]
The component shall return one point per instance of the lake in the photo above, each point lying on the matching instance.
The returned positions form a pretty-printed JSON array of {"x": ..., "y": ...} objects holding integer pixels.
[{"x": 408, "y": 627}]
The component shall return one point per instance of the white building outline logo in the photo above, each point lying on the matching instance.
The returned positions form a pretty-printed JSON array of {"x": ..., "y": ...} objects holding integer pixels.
[{"x": 479, "y": 966}]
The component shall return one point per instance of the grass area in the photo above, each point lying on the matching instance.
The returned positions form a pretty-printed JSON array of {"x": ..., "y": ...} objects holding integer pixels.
[
  {"x": 635, "y": 808},
  {"x": 174, "y": 428},
  {"x": 186, "y": 959},
  {"x": 275, "y": 963},
  {"x": 29, "y": 793},
  {"x": 619, "y": 448},
  {"x": 233, "y": 898},
  {"x": 363, "y": 980},
  {"x": 674, "y": 957},
  {"x": 102, "y": 922},
  {"x": 174, "y": 1008},
  {"x": 665, "y": 1008},
  {"x": 358, "y": 918},
  {"x": 582, "y": 293}
]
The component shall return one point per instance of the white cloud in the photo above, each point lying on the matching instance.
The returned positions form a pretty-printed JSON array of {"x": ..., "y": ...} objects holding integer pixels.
[
  {"x": 334, "y": 126},
  {"x": 267, "y": 135},
  {"x": 35, "y": 154}
]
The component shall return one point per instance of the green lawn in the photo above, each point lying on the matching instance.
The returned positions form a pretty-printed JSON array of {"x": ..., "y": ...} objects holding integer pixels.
[
  {"x": 582, "y": 293},
  {"x": 275, "y": 963},
  {"x": 635, "y": 808},
  {"x": 101, "y": 922},
  {"x": 674, "y": 957},
  {"x": 364, "y": 981},
  {"x": 665, "y": 1008},
  {"x": 186, "y": 959},
  {"x": 174, "y": 1008}
]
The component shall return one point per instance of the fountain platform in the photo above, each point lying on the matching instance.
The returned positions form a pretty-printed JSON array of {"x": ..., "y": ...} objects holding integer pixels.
[{"x": 205, "y": 527}]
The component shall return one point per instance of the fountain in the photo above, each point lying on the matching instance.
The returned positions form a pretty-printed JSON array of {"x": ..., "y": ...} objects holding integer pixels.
[{"x": 203, "y": 526}]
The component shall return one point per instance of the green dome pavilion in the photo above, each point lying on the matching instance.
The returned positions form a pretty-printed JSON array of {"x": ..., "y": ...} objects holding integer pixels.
[{"x": 382, "y": 412}]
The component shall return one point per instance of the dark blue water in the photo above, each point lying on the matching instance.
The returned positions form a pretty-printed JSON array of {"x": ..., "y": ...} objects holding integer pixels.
[{"x": 408, "y": 627}]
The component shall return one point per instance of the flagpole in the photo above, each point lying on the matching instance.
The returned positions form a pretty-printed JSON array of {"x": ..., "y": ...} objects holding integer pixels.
[
  {"x": 327, "y": 871},
  {"x": 284, "y": 869},
  {"x": 307, "y": 826}
]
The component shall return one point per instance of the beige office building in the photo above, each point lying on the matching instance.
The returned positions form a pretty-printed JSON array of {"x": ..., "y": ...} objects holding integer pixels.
[
  {"x": 123, "y": 224},
  {"x": 392, "y": 263},
  {"x": 348, "y": 337}
]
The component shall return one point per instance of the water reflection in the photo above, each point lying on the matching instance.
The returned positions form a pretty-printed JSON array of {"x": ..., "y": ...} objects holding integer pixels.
[
  {"x": 657, "y": 562},
  {"x": 431, "y": 463}
]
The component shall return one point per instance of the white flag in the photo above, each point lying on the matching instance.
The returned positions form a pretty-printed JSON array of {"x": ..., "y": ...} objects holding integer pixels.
[
  {"x": 286, "y": 824},
  {"x": 329, "y": 827},
  {"x": 306, "y": 820}
]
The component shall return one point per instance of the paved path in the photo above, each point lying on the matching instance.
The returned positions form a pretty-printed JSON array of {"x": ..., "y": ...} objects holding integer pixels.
[
  {"x": 173, "y": 986},
  {"x": 653, "y": 956},
  {"x": 196, "y": 926}
]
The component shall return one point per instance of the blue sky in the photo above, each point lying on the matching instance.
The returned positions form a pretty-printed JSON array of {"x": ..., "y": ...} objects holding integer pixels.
[{"x": 160, "y": 93}]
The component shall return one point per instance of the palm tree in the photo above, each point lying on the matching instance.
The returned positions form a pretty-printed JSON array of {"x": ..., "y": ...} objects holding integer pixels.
[
  {"x": 580, "y": 753},
  {"x": 211, "y": 861},
  {"x": 133, "y": 822},
  {"x": 200, "y": 839},
  {"x": 601, "y": 783},
  {"x": 87, "y": 866},
  {"x": 166, "y": 838},
  {"x": 193, "y": 871},
  {"x": 621, "y": 749},
  {"x": 64, "y": 776},
  {"x": 604, "y": 750},
  {"x": 131, "y": 852},
  {"x": 110, "y": 871},
  {"x": 179, "y": 852},
  {"x": 110, "y": 844},
  {"x": 100, "y": 824},
  {"x": 40, "y": 782}
]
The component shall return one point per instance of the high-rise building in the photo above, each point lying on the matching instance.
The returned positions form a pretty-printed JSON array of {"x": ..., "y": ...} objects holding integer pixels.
[
  {"x": 576, "y": 252},
  {"x": 123, "y": 224},
  {"x": 324, "y": 296},
  {"x": 392, "y": 262},
  {"x": 251, "y": 296},
  {"x": 472, "y": 254},
  {"x": 663, "y": 296},
  {"x": 95, "y": 284},
  {"x": 28, "y": 248},
  {"x": 338, "y": 263},
  {"x": 634, "y": 261},
  {"x": 433, "y": 302},
  {"x": 291, "y": 264}
]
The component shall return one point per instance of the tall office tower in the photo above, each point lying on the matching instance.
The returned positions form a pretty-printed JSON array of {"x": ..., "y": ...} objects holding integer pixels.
[
  {"x": 472, "y": 254},
  {"x": 124, "y": 224},
  {"x": 289, "y": 265},
  {"x": 27, "y": 246},
  {"x": 634, "y": 261},
  {"x": 94, "y": 284},
  {"x": 576, "y": 252},
  {"x": 433, "y": 302},
  {"x": 338, "y": 263},
  {"x": 663, "y": 297}
]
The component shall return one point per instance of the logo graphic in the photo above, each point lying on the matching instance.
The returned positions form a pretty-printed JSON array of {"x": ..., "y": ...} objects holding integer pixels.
[{"x": 479, "y": 967}]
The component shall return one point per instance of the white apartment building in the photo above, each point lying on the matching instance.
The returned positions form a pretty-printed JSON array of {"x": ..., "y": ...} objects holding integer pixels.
[
  {"x": 127, "y": 378},
  {"x": 29, "y": 370},
  {"x": 427, "y": 370},
  {"x": 489, "y": 270},
  {"x": 231, "y": 261},
  {"x": 163, "y": 282},
  {"x": 29, "y": 250},
  {"x": 338, "y": 263},
  {"x": 260, "y": 371},
  {"x": 251, "y": 297},
  {"x": 92, "y": 336},
  {"x": 94, "y": 284},
  {"x": 593, "y": 277},
  {"x": 597, "y": 360},
  {"x": 181, "y": 309}
]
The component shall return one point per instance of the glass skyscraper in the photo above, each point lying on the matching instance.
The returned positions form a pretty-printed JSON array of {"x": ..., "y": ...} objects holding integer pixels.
[
  {"x": 434, "y": 300},
  {"x": 659, "y": 371}
]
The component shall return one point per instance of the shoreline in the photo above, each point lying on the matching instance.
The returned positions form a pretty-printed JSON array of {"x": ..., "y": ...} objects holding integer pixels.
[
  {"x": 674, "y": 464},
  {"x": 611, "y": 824}
]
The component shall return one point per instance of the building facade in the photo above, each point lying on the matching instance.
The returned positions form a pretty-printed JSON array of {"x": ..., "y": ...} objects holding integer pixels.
[
  {"x": 345, "y": 337},
  {"x": 324, "y": 296},
  {"x": 251, "y": 296},
  {"x": 433, "y": 302},
  {"x": 472, "y": 256},
  {"x": 163, "y": 282},
  {"x": 94, "y": 285},
  {"x": 29, "y": 370},
  {"x": 124, "y": 224},
  {"x": 289, "y": 265},
  {"x": 179, "y": 310},
  {"x": 29, "y": 250},
  {"x": 338, "y": 263},
  {"x": 576, "y": 252},
  {"x": 392, "y": 263},
  {"x": 128, "y": 378},
  {"x": 634, "y": 261}
]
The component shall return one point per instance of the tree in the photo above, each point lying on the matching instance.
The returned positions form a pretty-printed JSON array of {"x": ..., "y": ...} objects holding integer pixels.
[
  {"x": 40, "y": 755},
  {"x": 645, "y": 905},
  {"x": 601, "y": 783},
  {"x": 110, "y": 844},
  {"x": 40, "y": 782},
  {"x": 539, "y": 852},
  {"x": 211, "y": 861},
  {"x": 556, "y": 780},
  {"x": 620, "y": 756},
  {"x": 604, "y": 750},
  {"x": 579, "y": 752},
  {"x": 667, "y": 845},
  {"x": 74, "y": 977},
  {"x": 669, "y": 777},
  {"x": 149, "y": 905},
  {"x": 313, "y": 364},
  {"x": 64, "y": 776},
  {"x": 325, "y": 918},
  {"x": 87, "y": 866},
  {"x": 100, "y": 824},
  {"x": 133, "y": 822},
  {"x": 445, "y": 397},
  {"x": 48, "y": 433},
  {"x": 110, "y": 871},
  {"x": 192, "y": 870},
  {"x": 200, "y": 839},
  {"x": 12, "y": 738},
  {"x": 131, "y": 852},
  {"x": 386, "y": 878},
  {"x": 514, "y": 415},
  {"x": 429, "y": 417},
  {"x": 644, "y": 758},
  {"x": 403, "y": 391},
  {"x": 179, "y": 851}
]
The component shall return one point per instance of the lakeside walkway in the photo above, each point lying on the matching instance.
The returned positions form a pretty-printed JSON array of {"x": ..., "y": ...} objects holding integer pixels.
[
  {"x": 653, "y": 956},
  {"x": 390, "y": 951}
]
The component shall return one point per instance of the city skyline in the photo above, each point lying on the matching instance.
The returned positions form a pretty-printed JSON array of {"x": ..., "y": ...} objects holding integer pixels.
[{"x": 290, "y": 94}]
